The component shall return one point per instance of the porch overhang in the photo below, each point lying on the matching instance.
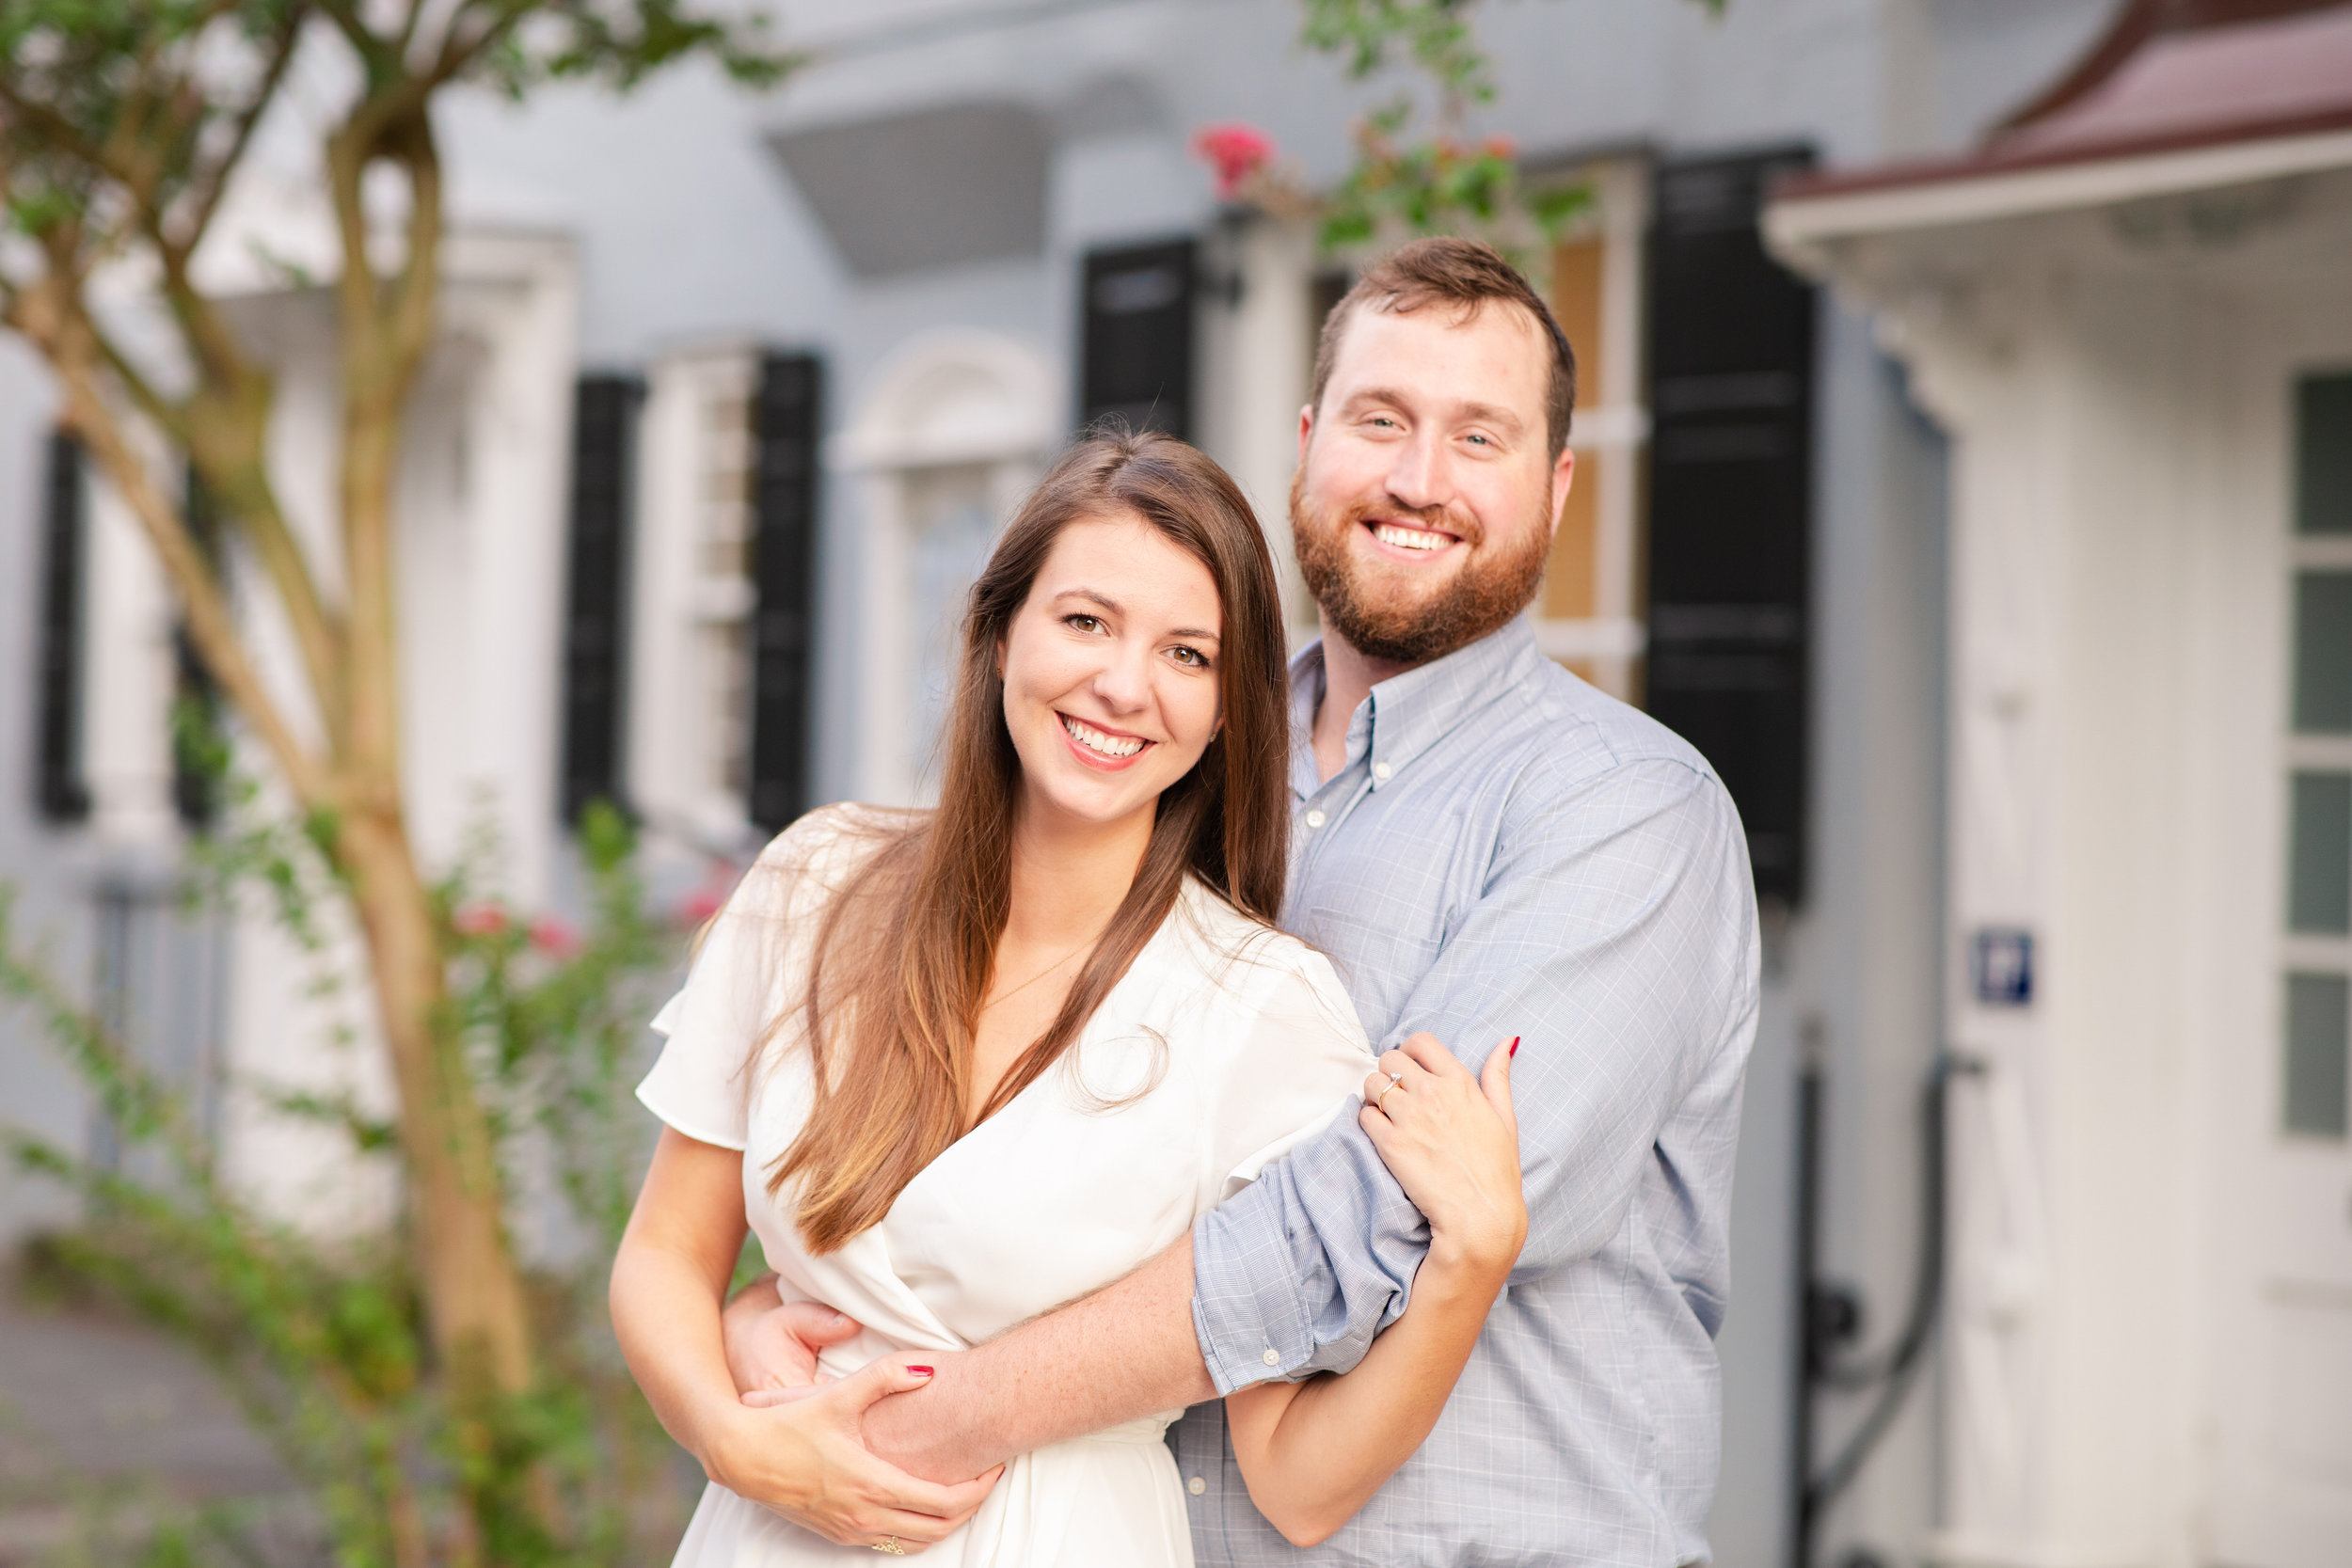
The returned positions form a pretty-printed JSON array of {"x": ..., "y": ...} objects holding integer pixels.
[
  {"x": 2185, "y": 97},
  {"x": 1805, "y": 224}
]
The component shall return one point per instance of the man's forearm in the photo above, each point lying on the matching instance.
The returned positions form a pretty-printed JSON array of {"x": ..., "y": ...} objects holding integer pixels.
[{"x": 1126, "y": 1352}]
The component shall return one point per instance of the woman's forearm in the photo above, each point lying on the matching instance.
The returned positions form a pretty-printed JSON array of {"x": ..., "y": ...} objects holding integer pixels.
[
  {"x": 665, "y": 1314},
  {"x": 1314, "y": 1452}
]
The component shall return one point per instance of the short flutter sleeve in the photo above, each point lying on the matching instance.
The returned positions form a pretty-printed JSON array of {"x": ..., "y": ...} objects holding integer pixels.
[
  {"x": 1297, "y": 1058},
  {"x": 742, "y": 979}
]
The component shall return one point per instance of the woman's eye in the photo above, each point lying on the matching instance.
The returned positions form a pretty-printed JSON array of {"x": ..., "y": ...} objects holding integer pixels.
[
  {"x": 1193, "y": 656},
  {"x": 1083, "y": 623}
]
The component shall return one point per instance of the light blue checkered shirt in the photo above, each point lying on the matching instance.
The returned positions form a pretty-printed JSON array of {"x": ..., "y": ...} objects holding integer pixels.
[{"x": 1508, "y": 851}]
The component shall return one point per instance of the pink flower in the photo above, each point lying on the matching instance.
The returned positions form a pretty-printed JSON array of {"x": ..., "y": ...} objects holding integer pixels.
[
  {"x": 1236, "y": 151},
  {"x": 554, "y": 937},
  {"x": 479, "y": 920},
  {"x": 1499, "y": 147},
  {"x": 700, "y": 905}
]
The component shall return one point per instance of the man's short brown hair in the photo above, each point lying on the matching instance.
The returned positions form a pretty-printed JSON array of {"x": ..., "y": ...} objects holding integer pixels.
[{"x": 1464, "y": 274}]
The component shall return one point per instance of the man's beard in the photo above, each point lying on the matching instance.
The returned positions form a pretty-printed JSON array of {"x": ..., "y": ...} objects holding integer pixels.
[{"x": 1481, "y": 600}]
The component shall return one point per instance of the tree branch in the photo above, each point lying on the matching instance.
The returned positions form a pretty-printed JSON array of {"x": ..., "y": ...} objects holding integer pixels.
[
  {"x": 458, "y": 50},
  {"x": 51, "y": 315},
  {"x": 206, "y": 192},
  {"x": 169, "y": 415}
]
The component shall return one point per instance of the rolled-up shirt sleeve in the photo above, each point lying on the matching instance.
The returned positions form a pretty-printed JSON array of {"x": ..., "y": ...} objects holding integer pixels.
[{"x": 1615, "y": 934}]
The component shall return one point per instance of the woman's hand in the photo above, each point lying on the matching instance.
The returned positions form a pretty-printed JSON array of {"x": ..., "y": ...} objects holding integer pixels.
[
  {"x": 1453, "y": 1144},
  {"x": 802, "y": 1457},
  {"x": 773, "y": 1345}
]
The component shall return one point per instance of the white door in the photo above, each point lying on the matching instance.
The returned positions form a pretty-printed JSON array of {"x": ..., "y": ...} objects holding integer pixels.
[{"x": 2285, "y": 1392}]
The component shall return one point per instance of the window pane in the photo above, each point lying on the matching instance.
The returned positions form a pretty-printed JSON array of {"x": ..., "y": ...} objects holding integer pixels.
[
  {"x": 2323, "y": 652},
  {"x": 2316, "y": 1056},
  {"x": 1577, "y": 272},
  {"x": 2323, "y": 454},
  {"x": 2319, "y": 864},
  {"x": 1569, "y": 580}
]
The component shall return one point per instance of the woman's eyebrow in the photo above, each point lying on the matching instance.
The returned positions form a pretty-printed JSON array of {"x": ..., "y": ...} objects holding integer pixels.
[{"x": 1096, "y": 596}]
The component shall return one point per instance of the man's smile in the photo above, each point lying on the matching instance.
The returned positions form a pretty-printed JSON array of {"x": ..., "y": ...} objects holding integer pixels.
[{"x": 1407, "y": 539}]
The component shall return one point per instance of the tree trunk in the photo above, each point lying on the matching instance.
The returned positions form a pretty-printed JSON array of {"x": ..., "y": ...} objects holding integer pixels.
[{"x": 474, "y": 1291}]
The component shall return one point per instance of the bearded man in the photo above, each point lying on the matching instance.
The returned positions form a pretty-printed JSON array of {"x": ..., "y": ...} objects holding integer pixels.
[{"x": 1486, "y": 847}]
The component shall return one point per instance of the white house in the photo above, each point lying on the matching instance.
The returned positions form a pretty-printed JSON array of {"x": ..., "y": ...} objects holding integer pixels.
[
  {"x": 2131, "y": 312},
  {"x": 736, "y": 389}
]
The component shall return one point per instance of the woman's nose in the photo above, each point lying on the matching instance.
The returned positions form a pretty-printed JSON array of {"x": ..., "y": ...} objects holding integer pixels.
[{"x": 1124, "y": 681}]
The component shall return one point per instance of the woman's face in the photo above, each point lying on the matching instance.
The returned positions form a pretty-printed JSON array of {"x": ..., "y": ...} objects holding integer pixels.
[{"x": 1110, "y": 669}]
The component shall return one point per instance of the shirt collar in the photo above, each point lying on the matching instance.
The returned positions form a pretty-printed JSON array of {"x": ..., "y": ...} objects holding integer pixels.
[{"x": 1407, "y": 714}]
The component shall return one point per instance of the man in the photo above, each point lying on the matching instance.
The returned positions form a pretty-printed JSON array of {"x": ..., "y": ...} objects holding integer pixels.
[{"x": 1485, "y": 846}]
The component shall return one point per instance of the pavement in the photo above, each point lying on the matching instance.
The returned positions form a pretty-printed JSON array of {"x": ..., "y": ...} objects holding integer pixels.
[{"x": 104, "y": 1424}]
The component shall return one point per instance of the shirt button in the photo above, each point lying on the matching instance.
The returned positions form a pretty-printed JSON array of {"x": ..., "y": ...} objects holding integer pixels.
[
  {"x": 1196, "y": 1486},
  {"x": 1381, "y": 771},
  {"x": 1270, "y": 1357},
  {"x": 1315, "y": 820}
]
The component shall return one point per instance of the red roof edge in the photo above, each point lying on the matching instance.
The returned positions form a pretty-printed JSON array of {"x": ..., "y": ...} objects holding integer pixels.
[
  {"x": 2131, "y": 29},
  {"x": 1936, "y": 171}
]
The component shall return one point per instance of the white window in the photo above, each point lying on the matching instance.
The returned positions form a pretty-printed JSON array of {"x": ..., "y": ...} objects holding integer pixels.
[
  {"x": 690, "y": 744},
  {"x": 953, "y": 434},
  {"x": 2314, "y": 1102},
  {"x": 1589, "y": 614}
]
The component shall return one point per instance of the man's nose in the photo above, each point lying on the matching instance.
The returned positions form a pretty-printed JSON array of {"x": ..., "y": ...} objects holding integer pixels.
[{"x": 1420, "y": 479}]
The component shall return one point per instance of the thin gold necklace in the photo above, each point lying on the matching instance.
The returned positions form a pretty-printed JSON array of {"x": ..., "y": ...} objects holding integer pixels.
[{"x": 1040, "y": 974}]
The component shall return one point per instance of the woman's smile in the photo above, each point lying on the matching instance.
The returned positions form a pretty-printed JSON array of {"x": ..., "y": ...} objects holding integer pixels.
[{"x": 1100, "y": 746}]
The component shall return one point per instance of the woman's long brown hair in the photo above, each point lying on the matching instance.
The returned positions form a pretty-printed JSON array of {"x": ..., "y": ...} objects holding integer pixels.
[{"x": 905, "y": 949}]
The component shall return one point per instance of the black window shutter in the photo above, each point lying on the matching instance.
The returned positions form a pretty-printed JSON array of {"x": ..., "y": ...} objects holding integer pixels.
[
  {"x": 596, "y": 611},
  {"x": 59, "y": 789},
  {"x": 196, "y": 757},
  {"x": 1731, "y": 356},
  {"x": 1137, "y": 358},
  {"x": 785, "y": 422}
]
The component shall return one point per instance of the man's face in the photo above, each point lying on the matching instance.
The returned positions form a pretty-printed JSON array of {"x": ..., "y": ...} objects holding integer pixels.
[{"x": 1427, "y": 493}]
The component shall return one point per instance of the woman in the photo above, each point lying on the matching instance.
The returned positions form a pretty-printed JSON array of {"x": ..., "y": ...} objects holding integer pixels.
[{"x": 956, "y": 1068}]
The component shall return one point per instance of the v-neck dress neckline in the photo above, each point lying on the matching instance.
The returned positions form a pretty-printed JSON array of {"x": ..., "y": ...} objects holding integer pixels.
[{"x": 1223, "y": 1044}]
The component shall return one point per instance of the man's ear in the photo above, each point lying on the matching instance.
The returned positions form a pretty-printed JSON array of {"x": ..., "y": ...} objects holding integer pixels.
[
  {"x": 1306, "y": 430},
  {"x": 1563, "y": 481}
]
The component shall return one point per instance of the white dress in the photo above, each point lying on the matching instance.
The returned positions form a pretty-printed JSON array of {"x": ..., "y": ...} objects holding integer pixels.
[{"x": 1243, "y": 1042}]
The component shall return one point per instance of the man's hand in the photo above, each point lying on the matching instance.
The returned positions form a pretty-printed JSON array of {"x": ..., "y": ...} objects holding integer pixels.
[
  {"x": 804, "y": 1460},
  {"x": 771, "y": 1346},
  {"x": 1125, "y": 1352}
]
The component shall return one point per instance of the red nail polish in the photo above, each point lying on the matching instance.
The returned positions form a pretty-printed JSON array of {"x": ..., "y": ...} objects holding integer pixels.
[
  {"x": 1515, "y": 1045},
  {"x": 920, "y": 1372}
]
